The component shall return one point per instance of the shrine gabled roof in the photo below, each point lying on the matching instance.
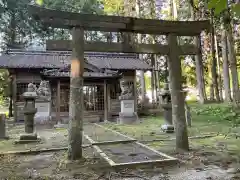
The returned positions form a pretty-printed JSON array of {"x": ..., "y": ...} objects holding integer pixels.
[{"x": 59, "y": 59}]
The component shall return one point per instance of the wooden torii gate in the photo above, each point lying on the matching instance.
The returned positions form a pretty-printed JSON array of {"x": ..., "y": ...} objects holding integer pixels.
[{"x": 79, "y": 22}]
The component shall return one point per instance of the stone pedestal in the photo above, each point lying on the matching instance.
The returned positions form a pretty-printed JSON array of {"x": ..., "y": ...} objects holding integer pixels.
[
  {"x": 43, "y": 112},
  {"x": 167, "y": 114},
  {"x": 167, "y": 109},
  {"x": 3, "y": 127},
  {"x": 29, "y": 114},
  {"x": 127, "y": 114}
]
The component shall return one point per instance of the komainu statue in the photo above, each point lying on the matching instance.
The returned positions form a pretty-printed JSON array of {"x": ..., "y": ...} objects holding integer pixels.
[
  {"x": 43, "y": 91},
  {"x": 127, "y": 89}
]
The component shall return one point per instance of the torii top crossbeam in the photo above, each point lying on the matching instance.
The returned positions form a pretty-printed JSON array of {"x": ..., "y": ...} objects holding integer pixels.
[{"x": 91, "y": 22}]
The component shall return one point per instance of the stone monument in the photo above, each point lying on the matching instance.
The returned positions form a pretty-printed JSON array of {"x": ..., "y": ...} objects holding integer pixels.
[
  {"x": 167, "y": 109},
  {"x": 3, "y": 127},
  {"x": 127, "y": 114}
]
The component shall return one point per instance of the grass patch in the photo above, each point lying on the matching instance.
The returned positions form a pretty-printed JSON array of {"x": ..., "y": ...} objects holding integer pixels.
[
  {"x": 217, "y": 119},
  {"x": 224, "y": 113},
  {"x": 149, "y": 128}
]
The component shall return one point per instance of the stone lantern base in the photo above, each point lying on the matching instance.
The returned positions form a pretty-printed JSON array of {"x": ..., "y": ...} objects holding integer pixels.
[
  {"x": 3, "y": 127},
  {"x": 168, "y": 128},
  {"x": 167, "y": 113},
  {"x": 28, "y": 138}
]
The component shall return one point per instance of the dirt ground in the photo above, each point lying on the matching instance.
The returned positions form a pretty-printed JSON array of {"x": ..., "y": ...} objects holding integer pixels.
[
  {"x": 53, "y": 166},
  {"x": 198, "y": 164}
]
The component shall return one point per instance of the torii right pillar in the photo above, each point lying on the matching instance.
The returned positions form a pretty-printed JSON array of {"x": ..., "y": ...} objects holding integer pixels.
[{"x": 177, "y": 95}]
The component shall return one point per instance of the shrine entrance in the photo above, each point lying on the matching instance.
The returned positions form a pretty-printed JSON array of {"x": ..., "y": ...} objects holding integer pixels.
[{"x": 79, "y": 23}]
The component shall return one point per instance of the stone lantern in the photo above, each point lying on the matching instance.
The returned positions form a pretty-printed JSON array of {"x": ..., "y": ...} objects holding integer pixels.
[
  {"x": 167, "y": 109},
  {"x": 29, "y": 112}
]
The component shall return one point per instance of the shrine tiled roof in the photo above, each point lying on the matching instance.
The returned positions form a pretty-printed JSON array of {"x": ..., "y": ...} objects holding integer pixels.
[
  {"x": 59, "y": 59},
  {"x": 65, "y": 72}
]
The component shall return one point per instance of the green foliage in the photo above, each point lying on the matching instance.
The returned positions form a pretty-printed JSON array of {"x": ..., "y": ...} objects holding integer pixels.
[
  {"x": 114, "y": 7},
  {"x": 217, "y": 5},
  {"x": 236, "y": 9},
  {"x": 4, "y": 88},
  {"x": 220, "y": 112},
  {"x": 189, "y": 74},
  {"x": 220, "y": 5},
  {"x": 147, "y": 82},
  {"x": 83, "y": 6},
  {"x": 16, "y": 26},
  {"x": 39, "y": 2}
]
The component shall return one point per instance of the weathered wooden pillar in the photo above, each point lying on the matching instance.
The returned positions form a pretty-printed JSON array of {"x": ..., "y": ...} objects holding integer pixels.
[
  {"x": 105, "y": 101},
  {"x": 58, "y": 102},
  {"x": 157, "y": 82},
  {"x": 135, "y": 92},
  {"x": 153, "y": 78},
  {"x": 10, "y": 109},
  {"x": 76, "y": 95},
  {"x": 177, "y": 95},
  {"x": 14, "y": 97}
]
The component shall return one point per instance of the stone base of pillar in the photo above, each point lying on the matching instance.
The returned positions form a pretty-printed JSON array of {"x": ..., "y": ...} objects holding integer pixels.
[
  {"x": 127, "y": 114},
  {"x": 168, "y": 128},
  {"x": 127, "y": 118},
  {"x": 28, "y": 138},
  {"x": 3, "y": 127}
]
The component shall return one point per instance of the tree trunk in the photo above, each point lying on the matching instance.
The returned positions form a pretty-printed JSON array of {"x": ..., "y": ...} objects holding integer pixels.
[
  {"x": 173, "y": 11},
  {"x": 139, "y": 40},
  {"x": 211, "y": 87},
  {"x": 12, "y": 30},
  {"x": 177, "y": 96},
  {"x": 214, "y": 62},
  {"x": 199, "y": 72},
  {"x": 226, "y": 78},
  {"x": 199, "y": 65},
  {"x": 232, "y": 59},
  {"x": 219, "y": 69},
  {"x": 76, "y": 96}
]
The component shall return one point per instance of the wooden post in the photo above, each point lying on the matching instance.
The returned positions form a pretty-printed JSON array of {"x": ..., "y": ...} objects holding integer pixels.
[
  {"x": 58, "y": 111},
  {"x": 177, "y": 95},
  {"x": 157, "y": 82},
  {"x": 14, "y": 97},
  {"x": 109, "y": 96},
  {"x": 94, "y": 98},
  {"x": 152, "y": 79},
  {"x": 135, "y": 92},
  {"x": 10, "y": 113},
  {"x": 76, "y": 95},
  {"x": 105, "y": 101}
]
